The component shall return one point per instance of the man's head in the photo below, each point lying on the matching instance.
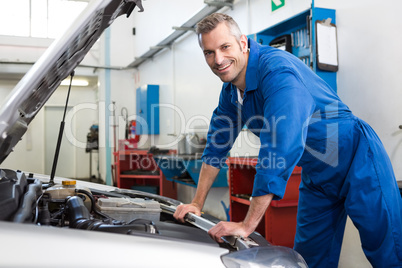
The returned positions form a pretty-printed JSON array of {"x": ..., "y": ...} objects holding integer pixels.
[{"x": 225, "y": 48}]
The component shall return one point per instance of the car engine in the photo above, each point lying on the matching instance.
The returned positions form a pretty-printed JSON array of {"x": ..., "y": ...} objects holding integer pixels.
[{"x": 25, "y": 199}]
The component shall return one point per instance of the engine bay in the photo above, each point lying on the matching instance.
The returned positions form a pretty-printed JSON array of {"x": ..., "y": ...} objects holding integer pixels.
[{"x": 25, "y": 199}]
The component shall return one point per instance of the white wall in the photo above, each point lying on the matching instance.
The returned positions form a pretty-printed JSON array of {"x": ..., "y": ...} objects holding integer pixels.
[{"x": 368, "y": 79}]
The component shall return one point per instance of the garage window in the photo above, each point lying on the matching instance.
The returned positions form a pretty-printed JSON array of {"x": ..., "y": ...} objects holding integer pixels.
[{"x": 38, "y": 18}]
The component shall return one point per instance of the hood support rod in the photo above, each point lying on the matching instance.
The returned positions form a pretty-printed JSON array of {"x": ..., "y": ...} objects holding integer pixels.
[{"x": 61, "y": 130}]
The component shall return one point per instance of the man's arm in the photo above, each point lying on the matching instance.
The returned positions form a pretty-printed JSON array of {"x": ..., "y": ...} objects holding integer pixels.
[
  {"x": 256, "y": 211},
  {"x": 207, "y": 177}
]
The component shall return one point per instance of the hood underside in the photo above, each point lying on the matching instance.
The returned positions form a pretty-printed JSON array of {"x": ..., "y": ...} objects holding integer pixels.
[{"x": 59, "y": 61}]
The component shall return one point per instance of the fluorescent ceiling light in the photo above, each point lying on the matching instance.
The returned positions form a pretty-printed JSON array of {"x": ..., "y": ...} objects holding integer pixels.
[{"x": 76, "y": 82}]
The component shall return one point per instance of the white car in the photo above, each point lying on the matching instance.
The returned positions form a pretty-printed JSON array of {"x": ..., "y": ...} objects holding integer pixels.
[{"x": 58, "y": 222}]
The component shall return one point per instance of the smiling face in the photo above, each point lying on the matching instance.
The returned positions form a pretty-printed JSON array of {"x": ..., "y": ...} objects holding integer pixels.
[{"x": 226, "y": 56}]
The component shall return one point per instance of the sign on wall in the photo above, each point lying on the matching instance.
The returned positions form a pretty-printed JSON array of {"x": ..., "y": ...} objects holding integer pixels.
[{"x": 277, "y": 4}]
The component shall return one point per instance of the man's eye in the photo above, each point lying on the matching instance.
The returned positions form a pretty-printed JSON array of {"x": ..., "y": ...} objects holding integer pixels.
[
  {"x": 207, "y": 53},
  {"x": 225, "y": 47}
]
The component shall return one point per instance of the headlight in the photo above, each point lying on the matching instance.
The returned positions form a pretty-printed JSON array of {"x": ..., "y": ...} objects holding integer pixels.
[{"x": 268, "y": 256}]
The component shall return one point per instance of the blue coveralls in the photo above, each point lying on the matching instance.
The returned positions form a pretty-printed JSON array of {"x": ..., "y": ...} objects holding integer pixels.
[{"x": 345, "y": 169}]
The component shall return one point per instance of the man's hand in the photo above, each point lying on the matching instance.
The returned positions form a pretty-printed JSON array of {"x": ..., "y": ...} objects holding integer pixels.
[
  {"x": 256, "y": 211},
  {"x": 182, "y": 210},
  {"x": 207, "y": 176},
  {"x": 225, "y": 228}
]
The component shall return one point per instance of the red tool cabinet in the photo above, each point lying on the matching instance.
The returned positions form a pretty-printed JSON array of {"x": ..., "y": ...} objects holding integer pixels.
[
  {"x": 278, "y": 225},
  {"x": 136, "y": 169}
]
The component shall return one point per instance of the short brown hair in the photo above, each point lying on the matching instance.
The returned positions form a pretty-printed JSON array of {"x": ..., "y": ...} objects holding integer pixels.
[{"x": 210, "y": 22}]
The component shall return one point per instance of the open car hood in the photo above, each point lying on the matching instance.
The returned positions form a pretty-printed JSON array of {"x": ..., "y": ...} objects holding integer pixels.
[{"x": 59, "y": 60}]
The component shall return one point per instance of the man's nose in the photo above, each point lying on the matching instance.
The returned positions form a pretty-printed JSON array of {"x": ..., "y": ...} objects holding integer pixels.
[{"x": 218, "y": 58}]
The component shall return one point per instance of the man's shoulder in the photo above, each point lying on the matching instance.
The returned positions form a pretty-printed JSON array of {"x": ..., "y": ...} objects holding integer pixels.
[
  {"x": 265, "y": 55},
  {"x": 274, "y": 57}
]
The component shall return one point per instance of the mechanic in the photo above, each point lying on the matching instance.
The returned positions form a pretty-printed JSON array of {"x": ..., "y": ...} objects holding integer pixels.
[{"x": 300, "y": 121}]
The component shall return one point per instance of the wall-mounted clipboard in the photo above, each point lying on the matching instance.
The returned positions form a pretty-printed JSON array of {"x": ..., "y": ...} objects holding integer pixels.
[{"x": 327, "y": 45}]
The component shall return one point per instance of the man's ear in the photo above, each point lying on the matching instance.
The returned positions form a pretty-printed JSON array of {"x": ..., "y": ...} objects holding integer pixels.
[{"x": 244, "y": 43}]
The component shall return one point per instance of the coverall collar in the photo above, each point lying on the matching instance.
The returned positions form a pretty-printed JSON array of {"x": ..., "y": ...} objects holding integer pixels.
[{"x": 252, "y": 65}]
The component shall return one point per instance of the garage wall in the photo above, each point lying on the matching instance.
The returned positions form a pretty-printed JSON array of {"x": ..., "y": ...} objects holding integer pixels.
[
  {"x": 367, "y": 77},
  {"x": 186, "y": 81}
]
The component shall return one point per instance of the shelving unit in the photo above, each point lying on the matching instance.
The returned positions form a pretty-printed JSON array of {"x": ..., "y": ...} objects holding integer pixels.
[
  {"x": 302, "y": 30},
  {"x": 278, "y": 225},
  {"x": 136, "y": 169}
]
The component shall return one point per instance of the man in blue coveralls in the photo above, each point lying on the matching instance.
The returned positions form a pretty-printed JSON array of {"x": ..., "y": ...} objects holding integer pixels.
[{"x": 302, "y": 121}]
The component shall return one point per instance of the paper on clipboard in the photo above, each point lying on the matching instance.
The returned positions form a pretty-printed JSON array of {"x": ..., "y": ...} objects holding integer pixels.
[{"x": 327, "y": 52}]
